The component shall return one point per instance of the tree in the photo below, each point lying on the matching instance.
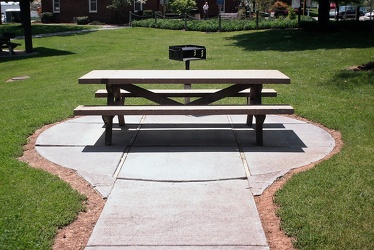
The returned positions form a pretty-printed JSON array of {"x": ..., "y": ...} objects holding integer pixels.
[
  {"x": 26, "y": 23},
  {"x": 119, "y": 6},
  {"x": 183, "y": 6},
  {"x": 323, "y": 15}
]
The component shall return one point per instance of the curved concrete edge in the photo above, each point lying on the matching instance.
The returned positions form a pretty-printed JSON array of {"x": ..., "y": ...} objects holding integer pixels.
[{"x": 155, "y": 151}]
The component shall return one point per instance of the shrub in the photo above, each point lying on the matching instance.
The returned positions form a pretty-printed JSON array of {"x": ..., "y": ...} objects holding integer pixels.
[
  {"x": 182, "y": 6},
  {"x": 83, "y": 20},
  {"x": 46, "y": 17},
  {"x": 291, "y": 13}
]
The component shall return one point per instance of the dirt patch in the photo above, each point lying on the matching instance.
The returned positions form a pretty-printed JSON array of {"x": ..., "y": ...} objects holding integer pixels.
[
  {"x": 367, "y": 66},
  {"x": 75, "y": 236}
]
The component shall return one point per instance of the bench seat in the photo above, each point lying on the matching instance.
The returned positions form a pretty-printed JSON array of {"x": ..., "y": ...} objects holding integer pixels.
[
  {"x": 102, "y": 93},
  {"x": 183, "y": 110},
  {"x": 259, "y": 111}
]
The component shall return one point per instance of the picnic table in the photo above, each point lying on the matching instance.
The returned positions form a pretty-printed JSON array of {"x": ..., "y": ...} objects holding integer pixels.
[
  {"x": 121, "y": 83},
  {"x": 5, "y": 42}
]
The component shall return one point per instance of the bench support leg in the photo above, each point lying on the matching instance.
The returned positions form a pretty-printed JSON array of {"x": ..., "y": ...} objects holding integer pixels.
[
  {"x": 254, "y": 99},
  {"x": 114, "y": 99},
  {"x": 259, "y": 129},
  {"x": 108, "y": 121},
  {"x": 121, "y": 118},
  {"x": 187, "y": 99}
]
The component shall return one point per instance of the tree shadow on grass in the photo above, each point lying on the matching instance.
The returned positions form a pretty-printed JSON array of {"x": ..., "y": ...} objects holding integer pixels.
[
  {"x": 38, "y": 52},
  {"x": 298, "y": 40},
  {"x": 347, "y": 80}
]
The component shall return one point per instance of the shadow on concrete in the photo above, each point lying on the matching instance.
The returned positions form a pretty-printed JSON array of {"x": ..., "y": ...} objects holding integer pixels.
[{"x": 198, "y": 138}]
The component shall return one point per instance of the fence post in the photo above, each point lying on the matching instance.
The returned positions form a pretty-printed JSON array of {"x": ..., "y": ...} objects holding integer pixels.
[
  {"x": 185, "y": 21},
  {"x": 219, "y": 22},
  {"x": 257, "y": 17},
  {"x": 155, "y": 17},
  {"x": 130, "y": 19}
]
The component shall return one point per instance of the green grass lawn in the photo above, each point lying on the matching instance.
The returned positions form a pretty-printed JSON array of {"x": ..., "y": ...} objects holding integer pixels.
[{"x": 328, "y": 207}]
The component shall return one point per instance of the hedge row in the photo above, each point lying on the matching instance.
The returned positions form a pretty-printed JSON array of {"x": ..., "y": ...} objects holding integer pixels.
[{"x": 213, "y": 25}]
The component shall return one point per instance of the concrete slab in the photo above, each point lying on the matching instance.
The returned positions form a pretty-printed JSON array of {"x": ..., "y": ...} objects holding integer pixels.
[
  {"x": 183, "y": 164},
  {"x": 163, "y": 214},
  {"x": 177, "y": 182},
  {"x": 87, "y": 131},
  {"x": 181, "y": 136}
]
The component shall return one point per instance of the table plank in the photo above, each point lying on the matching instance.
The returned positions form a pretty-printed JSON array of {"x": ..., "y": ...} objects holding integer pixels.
[{"x": 184, "y": 77}]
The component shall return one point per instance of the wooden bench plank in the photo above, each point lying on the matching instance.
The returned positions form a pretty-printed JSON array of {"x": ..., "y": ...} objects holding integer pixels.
[
  {"x": 102, "y": 93},
  {"x": 259, "y": 111},
  {"x": 184, "y": 110}
]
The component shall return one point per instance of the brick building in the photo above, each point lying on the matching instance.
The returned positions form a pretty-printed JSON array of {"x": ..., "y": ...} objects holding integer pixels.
[{"x": 65, "y": 11}]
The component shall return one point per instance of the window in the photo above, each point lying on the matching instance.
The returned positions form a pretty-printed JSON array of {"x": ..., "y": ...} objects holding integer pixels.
[
  {"x": 93, "y": 6},
  {"x": 138, "y": 6},
  {"x": 56, "y": 6}
]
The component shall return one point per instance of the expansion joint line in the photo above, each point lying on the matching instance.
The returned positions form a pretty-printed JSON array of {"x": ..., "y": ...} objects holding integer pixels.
[
  {"x": 128, "y": 147},
  {"x": 240, "y": 147}
]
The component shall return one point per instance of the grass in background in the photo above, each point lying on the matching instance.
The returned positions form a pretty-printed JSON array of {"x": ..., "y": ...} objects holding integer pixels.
[{"x": 328, "y": 207}]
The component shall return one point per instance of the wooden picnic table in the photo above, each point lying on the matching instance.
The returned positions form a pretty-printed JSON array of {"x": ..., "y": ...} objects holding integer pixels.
[
  {"x": 130, "y": 80},
  {"x": 5, "y": 42},
  {"x": 234, "y": 80}
]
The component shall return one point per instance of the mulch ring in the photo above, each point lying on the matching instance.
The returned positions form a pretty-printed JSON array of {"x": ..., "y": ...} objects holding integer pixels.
[{"x": 367, "y": 66}]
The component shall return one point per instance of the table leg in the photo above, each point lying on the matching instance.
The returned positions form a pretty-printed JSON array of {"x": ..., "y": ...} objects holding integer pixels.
[
  {"x": 187, "y": 99},
  {"x": 108, "y": 121},
  {"x": 259, "y": 129},
  {"x": 114, "y": 99},
  {"x": 254, "y": 99}
]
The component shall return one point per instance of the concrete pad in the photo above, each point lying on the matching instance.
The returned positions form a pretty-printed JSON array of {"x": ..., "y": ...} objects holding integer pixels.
[
  {"x": 183, "y": 164},
  {"x": 181, "y": 136},
  {"x": 196, "y": 195},
  {"x": 101, "y": 183},
  {"x": 211, "y": 214},
  {"x": 104, "y": 163},
  {"x": 258, "y": 183},
  {"x": 86, "y": 131},
  {"x": 181, "y": 130},
  {"x": 277, "y": 160}
]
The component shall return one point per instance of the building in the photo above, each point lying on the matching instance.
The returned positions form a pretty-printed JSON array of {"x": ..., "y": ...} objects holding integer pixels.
[
  {"x": 10, "y": 12},
  {"x": 67, "y": 11}
]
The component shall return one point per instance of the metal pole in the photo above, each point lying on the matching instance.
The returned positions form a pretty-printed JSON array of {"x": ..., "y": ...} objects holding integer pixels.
[
  {"x": 130, "y": 19},
  {"x": 187, "y": 86},
  {"x": 219, "y": 22}
]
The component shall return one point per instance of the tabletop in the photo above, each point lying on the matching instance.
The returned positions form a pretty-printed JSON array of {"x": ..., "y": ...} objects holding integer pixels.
[{"x": 184, "y": 76}]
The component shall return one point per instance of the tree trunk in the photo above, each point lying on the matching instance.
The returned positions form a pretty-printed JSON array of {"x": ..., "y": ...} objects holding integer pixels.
[
  {"x": 26, "y": 23},
  {"x": 323, "y": 15}
]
